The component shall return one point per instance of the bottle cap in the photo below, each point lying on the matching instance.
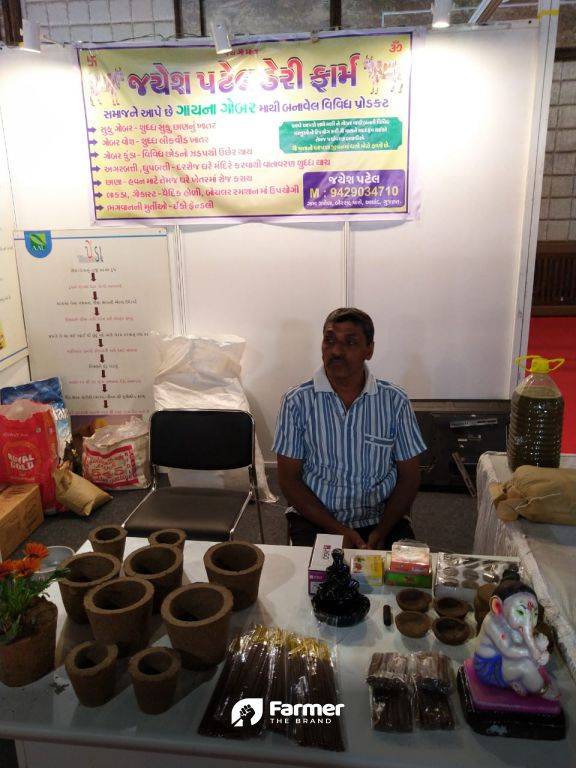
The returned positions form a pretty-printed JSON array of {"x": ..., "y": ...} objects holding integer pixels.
[{"x": 539, "y": 364}]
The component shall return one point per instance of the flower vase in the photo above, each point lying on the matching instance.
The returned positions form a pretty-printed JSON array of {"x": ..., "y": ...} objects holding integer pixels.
[{"x": 31, "y": 656}]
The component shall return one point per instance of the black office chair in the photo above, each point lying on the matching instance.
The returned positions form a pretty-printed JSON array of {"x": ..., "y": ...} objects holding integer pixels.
[{"x": 203, "y": 440}]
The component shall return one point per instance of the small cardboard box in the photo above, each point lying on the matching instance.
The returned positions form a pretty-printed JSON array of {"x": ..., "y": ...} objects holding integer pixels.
[
  {"x": 321, "y": 558},
  {"x": 20, "y": 514},
  {"x": 368, "y": 570}
]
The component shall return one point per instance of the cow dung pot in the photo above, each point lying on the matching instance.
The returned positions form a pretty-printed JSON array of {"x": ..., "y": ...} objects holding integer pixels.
[
  {"x": 173, "y": 537},
  {"x": 30, "y": 657},
  {"x": 91, "y": 667},
  {"x": 85, "y": 572},
  {"x": 119, "y": 613},
  {"x": 197, "y": 617},
  {"x": 110, "y": 539},
  {"x": 154, "y": 673},
  {"x": 161, "y": 565},
  {"x": 236, "y": 565}
]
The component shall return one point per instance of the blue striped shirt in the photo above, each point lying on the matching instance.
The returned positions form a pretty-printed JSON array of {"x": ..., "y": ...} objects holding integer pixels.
[{"x": 349, "y": 455}]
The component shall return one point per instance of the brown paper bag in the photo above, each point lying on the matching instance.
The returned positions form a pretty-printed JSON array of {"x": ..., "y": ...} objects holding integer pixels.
[
  {"x": 77, "y": 494},
  {"x": 539, "y": 494}
]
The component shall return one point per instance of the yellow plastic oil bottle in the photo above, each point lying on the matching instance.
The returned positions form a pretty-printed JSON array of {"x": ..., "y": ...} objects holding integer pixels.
[{"x": 537, "y": 408}]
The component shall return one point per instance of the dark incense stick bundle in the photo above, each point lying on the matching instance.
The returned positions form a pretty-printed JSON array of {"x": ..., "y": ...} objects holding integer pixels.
[
  {"x": 275, "y": 666},
  {"x": 279, "y": 672},
  {"x": 311, "y": 680},
  {"x": 433, "y": 710},
  {"x": 245, "y": 675},
  {"x": 389, "y": 671},
  {"x": 391, "y": 710},
  {"x": 432, "y": 672}
]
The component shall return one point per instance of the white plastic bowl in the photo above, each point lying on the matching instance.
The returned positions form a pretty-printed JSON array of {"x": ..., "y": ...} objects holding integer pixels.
[{"x": 55, "y": 556}]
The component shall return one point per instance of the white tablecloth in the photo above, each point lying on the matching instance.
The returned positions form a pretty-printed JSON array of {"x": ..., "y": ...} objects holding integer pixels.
[
  {"x": 547, "y": 552},
  {"x": 55, "y": 731}
]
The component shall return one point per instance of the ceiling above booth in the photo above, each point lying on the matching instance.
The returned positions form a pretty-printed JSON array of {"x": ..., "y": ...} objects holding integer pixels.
[
  {"x": 270, "y": 16},
  {"x": 106, "y": 20}
]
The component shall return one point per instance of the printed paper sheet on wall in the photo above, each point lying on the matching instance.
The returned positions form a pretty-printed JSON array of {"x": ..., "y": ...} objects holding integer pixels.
[
  {"x": 91, "y": 301},
  {"x": 12, "y": 332},
  {"x": 274, "y": 129}
]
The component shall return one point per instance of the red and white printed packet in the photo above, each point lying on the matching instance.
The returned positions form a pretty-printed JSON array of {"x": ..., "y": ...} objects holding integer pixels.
[
  {"x": 116, "y": 457},
  {"x": 29, "y": 447}
]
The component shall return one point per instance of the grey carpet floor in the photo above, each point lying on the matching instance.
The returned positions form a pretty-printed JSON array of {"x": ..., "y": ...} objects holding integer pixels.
[{"x": 446, "y": 521}]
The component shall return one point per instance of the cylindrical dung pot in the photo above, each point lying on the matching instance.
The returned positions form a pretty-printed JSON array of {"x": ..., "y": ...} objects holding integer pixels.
[
  {"x": 236, "y": 565},
  {"x": 119, "y": 612},
  {"x": 110, "y": 539},
  {"x": 161, "y": 565},
  {"x": 154, "y": 673},
  {"x": 174, "y": 537},
  {"x": 85, "y": 571},
  {"x": 91, "y": 667},
  {"x": 197, "y": 617}
]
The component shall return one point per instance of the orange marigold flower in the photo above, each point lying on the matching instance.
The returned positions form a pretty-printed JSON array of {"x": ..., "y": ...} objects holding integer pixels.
[
  {"x": 9, "y": 566},
  {"x": 28, "y": 565},
  {"x": 34, "y": 549}
]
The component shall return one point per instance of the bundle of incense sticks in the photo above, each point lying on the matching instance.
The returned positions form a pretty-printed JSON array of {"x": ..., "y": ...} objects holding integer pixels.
[
  {"x": 405, "y": 687},
  {"x": 247, "y": 673},
  {"x": 311, "y": 680},
  {"x": 275, "y": 665}
]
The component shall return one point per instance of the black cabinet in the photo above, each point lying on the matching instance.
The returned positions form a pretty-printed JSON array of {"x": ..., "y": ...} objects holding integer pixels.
[{"x": 456, "y": 433}]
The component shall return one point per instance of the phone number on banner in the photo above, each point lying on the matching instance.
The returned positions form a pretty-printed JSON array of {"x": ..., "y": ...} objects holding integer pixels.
[{"x": 355, "y": 189}]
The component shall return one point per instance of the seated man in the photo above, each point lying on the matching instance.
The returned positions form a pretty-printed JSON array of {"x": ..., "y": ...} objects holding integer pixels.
[{"x": 348, "y": 445}]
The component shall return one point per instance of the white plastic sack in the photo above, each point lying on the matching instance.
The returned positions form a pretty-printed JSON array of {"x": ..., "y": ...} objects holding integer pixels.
[
  {"x": 203, "y": 372},
  {"x": 116, "y": 456}
]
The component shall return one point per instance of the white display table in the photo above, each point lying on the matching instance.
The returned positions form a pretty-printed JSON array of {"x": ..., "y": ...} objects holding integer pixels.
[
  {"x": 54, "y": 731},
  {"x": 547, "y": 552}
]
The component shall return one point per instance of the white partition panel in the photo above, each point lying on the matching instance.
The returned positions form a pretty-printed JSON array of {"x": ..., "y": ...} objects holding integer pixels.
[
  {"x": 45, "y": 132},
  {"x": 442, "y": 290},
  {"x": 272, "y": 285}
]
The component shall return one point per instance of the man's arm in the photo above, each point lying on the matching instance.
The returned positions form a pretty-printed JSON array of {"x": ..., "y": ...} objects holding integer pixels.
[
  {"x": 399, "y": 502},
  {"x": 309, "y": 505}
]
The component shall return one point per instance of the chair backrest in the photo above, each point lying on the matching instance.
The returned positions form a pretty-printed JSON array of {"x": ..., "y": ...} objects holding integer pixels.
[{"x": 202, "y": 439}]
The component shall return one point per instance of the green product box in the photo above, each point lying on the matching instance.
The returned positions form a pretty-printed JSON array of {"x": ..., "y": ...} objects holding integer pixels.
[{"x": 422, "y": 580}]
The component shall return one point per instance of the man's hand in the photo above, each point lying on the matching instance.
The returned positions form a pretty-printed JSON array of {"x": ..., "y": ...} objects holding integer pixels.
[
  {"x": 353, "y": 540},
  {"x": 377, "y": 539}
]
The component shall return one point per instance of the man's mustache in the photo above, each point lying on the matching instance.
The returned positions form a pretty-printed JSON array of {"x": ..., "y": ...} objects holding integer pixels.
[{"x": 335, "y": 360}]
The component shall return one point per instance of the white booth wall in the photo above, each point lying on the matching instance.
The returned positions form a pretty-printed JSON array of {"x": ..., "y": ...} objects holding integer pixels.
[{"x": 443, "y": 289}]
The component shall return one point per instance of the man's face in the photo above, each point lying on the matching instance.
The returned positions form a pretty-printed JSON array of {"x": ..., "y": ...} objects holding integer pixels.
[{"x": 344, "y": 349}]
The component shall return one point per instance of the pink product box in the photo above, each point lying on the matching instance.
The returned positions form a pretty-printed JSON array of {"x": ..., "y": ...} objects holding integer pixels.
[{"x": 321, "y": 559}]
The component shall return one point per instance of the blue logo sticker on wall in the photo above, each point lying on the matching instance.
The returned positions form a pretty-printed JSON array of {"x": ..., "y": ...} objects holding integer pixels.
[{"x": 38, "y": 244}]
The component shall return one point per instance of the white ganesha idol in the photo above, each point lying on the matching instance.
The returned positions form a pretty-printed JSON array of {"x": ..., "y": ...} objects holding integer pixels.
[{"x": 509, "y": 653}]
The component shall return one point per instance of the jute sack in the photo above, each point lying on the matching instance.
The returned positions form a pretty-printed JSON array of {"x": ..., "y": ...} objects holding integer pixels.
[
  {"x": 539, "y": 494},
  {"x": 76, "y": 493}
]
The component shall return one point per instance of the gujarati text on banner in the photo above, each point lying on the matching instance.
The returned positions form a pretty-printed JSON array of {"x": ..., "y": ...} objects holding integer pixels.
[{"x": 273, "y": 129}]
